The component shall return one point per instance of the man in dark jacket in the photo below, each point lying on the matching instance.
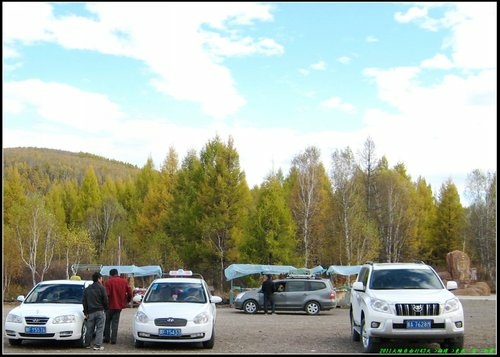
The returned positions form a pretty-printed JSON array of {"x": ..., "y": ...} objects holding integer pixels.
[
  {"x": 119, "y": 295},
  {"x": 268, "y": 290},
  {"x": 95, "y": 303}
]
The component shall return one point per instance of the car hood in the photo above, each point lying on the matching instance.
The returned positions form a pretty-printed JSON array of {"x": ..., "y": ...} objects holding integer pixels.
[
  {"x": 48, "y": 310},
  {"x": 409, "y": 296},
  {"x": 182, "y": 310}
]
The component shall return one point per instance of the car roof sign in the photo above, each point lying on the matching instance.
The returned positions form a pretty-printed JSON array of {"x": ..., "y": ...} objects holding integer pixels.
[{"x": 180, "y": 272}]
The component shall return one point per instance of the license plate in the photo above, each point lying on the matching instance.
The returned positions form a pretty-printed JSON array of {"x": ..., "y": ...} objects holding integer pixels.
[
  {"x": 170, "y": 332},
  {"x": 35, "y": 329},
  {"x": 417, "y": 324}
]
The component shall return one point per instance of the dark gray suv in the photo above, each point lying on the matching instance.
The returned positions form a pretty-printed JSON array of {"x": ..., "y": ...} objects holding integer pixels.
[{"x": 308, "y": 294}]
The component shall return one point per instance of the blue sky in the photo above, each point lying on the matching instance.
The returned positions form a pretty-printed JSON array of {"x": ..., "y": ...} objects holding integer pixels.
[{"x": 128, "y": 81}]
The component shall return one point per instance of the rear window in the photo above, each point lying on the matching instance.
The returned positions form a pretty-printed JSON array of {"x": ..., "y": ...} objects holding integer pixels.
[{"x": 317, "y": 285}]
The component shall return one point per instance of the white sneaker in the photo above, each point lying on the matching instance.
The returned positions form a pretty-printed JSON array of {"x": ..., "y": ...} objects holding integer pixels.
[{"x": 98, "y": 348}]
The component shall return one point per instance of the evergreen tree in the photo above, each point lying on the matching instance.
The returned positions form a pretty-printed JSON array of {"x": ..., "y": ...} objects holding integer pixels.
[{"x": 450, "y": 224}]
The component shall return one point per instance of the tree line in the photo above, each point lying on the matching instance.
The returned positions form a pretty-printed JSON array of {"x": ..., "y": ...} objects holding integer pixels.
[{"x": 200, "y": 214}]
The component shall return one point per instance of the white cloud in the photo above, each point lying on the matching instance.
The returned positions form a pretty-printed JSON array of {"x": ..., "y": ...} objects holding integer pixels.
[
  {"x": 344, "y": 59},
  {"x": 319, "y": 66},
  {"x": 63, "y": 105},
  {"x": 439, "y": 61},
  {"x": 337, "y": 103},
  {"x": 436, "y": 130},
  {"x": 186, "y": 61},
  {"x": 371, "y": 39}
]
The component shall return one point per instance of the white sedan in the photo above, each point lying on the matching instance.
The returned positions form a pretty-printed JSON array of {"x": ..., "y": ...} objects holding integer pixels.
[
  {"x": 178, "y": 308},
  {"x": 52, "y": 310}
]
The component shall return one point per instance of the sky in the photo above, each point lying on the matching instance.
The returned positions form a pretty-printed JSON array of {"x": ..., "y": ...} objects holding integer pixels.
[{"x": 128, "y": 81}]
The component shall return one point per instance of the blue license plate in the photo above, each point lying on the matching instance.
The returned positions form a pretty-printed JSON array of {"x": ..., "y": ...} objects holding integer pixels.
[
  {"x": 35, "y": 329},
  {"x": 169, "y": 332},
  {"x": 418, "y": 324}
]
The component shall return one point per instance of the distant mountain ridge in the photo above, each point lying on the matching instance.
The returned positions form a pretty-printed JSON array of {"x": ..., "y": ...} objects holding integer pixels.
[{"x": 63, "y": 165}]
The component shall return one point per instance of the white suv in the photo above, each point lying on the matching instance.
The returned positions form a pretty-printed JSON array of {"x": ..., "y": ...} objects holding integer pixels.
[{"x": 405, "y": 301}]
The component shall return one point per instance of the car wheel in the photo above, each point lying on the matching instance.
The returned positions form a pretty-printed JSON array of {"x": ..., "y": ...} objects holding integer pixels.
[
  {"x": 210, "y": 343},
  {"x": 369, "y": 345},
  {"x": 453, "y": 344},
  {"x": 355, "y": 336},
  {"x": 13, "y": 342},
  {"x": 81, "y": 341},
  {"x": 138, "y": 343},
  {"x": 250, "y": 307},
  {"x": 312, "y": 308}
]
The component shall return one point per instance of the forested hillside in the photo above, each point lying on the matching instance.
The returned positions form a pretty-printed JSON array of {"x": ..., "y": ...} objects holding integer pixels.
[
  {"x": 62, "y": 208},
  {"x": 51, "y": 165}
]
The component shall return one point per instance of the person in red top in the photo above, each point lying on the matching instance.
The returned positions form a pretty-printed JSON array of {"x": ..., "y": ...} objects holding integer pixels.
[{"x": 119, "y": 295}]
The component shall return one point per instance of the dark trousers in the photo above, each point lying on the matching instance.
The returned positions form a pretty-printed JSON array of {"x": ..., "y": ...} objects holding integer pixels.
[
  {"x": 111, "y": 326},
  {"x": 268, "y": 299}
]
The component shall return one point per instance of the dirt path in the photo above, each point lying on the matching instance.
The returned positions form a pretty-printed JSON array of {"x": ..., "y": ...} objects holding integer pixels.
[{"x": 286, "y": 333}]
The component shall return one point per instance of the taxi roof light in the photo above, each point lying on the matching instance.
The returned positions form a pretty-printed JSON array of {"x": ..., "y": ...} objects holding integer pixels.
[{"x": 180, "y": 272}]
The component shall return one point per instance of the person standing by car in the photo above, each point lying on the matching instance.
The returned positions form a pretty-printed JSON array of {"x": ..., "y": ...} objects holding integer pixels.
[
  {"x": 95, "y": 303},
  {"x": 119, "y": 295},
  {"x": 268, "y": 290}
]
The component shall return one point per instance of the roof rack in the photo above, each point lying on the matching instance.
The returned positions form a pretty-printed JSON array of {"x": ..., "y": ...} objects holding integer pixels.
[{"x": 302, "y": 276}]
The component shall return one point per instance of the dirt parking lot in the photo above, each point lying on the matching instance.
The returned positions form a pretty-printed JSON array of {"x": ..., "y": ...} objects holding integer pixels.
[{"x": 282, "y": 333}]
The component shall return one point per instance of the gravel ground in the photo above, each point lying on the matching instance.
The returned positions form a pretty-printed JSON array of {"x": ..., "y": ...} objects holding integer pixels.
[{"x": 281, "y": 333}]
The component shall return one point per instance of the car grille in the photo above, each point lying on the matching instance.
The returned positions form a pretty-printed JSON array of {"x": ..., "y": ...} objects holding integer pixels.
[
  {"x": 417, "y": 309},
  {"x": 170, "y": 321},
  {"x": 36, "y": 320}
]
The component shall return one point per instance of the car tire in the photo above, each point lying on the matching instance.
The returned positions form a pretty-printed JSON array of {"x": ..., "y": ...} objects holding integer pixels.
[
  {"x": 369, "y": 344},
  {"x": 312, "y": 308},
  {"x": 250, "y": 307},
  {"x": 454, "y": 345},
  {"x": 13, "y": 342},
  {"x": 355, "y": 336},
  {"x": 81, "y": 342},
  {"x": 138, "y": 343},
  {"x": 210, "y": 343}
]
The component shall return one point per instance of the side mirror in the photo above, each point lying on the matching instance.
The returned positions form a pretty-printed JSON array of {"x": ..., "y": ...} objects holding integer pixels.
[
  {"x": 451, "y": 285},
  {"x": 137, "y": 298},
  {"x": 215, "y": 299},
  {"x": 358, "y": 286}
]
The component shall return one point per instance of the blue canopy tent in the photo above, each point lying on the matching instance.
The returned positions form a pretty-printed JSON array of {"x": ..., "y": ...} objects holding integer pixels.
[
  {"x": 343, "y": 269},
  {"x": 238, "y": 270},
  {"x": 147, "y": 270}
]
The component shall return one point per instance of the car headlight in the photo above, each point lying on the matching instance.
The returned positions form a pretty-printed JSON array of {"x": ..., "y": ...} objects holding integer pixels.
[
  {"x": 64, "y": 319},
  {"x": 141, "y": 317},
  {"x": 201, "y": 318},
  {"x": 380, "y": 306},
  {"x": 451, "y": 305},
  {"x": 14, "y": 318}
]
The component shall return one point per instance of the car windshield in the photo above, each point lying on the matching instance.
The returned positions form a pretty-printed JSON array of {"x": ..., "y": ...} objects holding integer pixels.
[
  {"x": 56, "y": 294},
  {"x": 404, "y": 279},
  {"x": 175, "y": 292}
]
